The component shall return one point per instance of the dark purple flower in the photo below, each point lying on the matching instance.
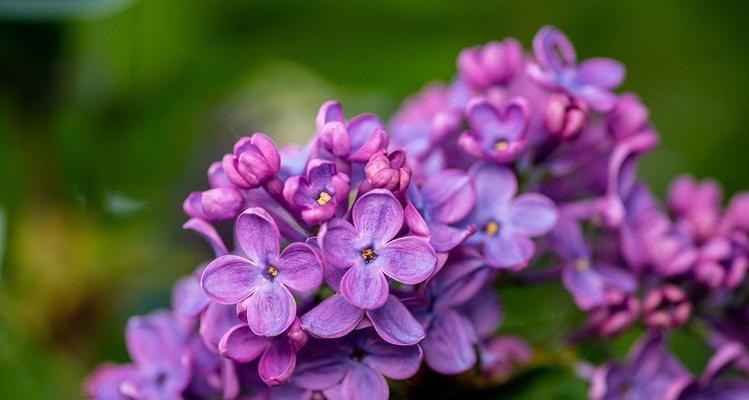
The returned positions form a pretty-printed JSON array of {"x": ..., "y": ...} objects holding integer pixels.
[
  {"x": 505, "y": 224},
  {"x": 619, "y": 311},
  {"x": 449, "y": 345},
  {"x": 723, "y": 261},
  {"x": 318, "y": 193},
  {"x": 500, "y": 356},
  {"x": 495, "y": 63},
  {"x": 277, "y": 354},
  {"x": 493, "y": 134},
  {"x": 711, "y": 385},
  {"x": 388, "y": 171},
  {"x": 565, "y": 116},
  {"x": 587, "y": 280},
  {"x": 369, "y": 252},
  {"x": 359, "y": 362},
  {"x": 356, "y": 140},
  {"x": 650, "y": 373},
  {"x": 557, "y": 69},
  {"x": 254, "y": 162},
  {"x": 445, "y": 199},
  {"x": 262, "y": 276},
  {"x": 666, "y": 307}
]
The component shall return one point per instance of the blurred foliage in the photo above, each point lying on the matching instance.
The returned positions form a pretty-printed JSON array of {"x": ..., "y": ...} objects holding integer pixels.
[{"x": 110, "y": 111}]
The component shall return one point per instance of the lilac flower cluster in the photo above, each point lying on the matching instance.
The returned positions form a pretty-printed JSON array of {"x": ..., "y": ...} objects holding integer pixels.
[{"x": 376, "y": 247}]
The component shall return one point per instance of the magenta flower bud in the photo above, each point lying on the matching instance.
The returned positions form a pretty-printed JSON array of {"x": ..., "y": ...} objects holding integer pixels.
[
  {"x": 388, "y": 171},
  {"x": 335, "y": 138},
  {"x": 254, "y": 162},
  {"x": 666, "y": 307},
  {"x": 565, "y": 116},
  {"x": 214, "y": 204},
  {"x": 495, "y": 63},
  {"x": 628, "y": 117},
  {"x": 620, "y": 312}
]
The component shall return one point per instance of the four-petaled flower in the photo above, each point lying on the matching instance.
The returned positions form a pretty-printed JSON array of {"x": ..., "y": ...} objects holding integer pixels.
[
  {"x": 495, "y": 135},
  {"x": 318, "y": 193},
  {"x": 261, "y": 275}
]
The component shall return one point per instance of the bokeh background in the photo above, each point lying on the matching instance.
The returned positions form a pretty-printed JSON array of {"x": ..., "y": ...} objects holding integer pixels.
[{"x": 111, "y": 110}]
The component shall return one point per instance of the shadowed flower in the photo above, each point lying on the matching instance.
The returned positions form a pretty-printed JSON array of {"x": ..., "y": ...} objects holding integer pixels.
[
  {"x": 262, "y": 275},
  {"x": 358, "y": 363},
  {"x": 505, "y": 224},
  {"x": 556, "y": 68}
]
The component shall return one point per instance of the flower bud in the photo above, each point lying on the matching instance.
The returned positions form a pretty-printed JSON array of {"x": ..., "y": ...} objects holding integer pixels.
[
  {"x": 565, "y": 116},
  {"x": 334, "y": 137},
  {"x": 496, "y": 63},
  {"x": 666, "y": 307},
  {"x": 388, "y": 171},
  {"x": 254, "y": 162},
  {"x": 214, "y": 204}
]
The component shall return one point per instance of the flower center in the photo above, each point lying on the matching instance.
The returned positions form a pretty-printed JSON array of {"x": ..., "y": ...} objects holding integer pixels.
[
  {"x": 358, "y": 354},
  {"x": 582, "y": 264},
  {"x": 368, "y": 254},
  {"x": 501, "y": 145},
  {"x": 271, "y": 272},
  {"x": 491, "y": 228},
  {"x": 324, "y": 198}
]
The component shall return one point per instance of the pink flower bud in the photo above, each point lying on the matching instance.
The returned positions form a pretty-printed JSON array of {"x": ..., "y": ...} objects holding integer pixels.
[
  {"x": 565, "y": 116},
  {"x": 388, "y": 171}
]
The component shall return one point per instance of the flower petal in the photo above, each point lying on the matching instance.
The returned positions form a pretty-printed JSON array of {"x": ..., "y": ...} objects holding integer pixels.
[
  {"x": 258, "y": 235},
  {"x": 451, "y": 194},
  {"x": 321, "y": 364},
  {"x": 445, "y": 238},
  {"x": 209, "y": 233},
  {"x": 603, "y": 72},
  {"x": 378, "y": 216},
  {"x": 395, "y": 324},
  {"x": 332, "y": 318},
  {"x": 495, "y": 187},
  {"x": 144, "y": 341},
  {"x": 364, "y": 286},
  {"x": 271, "y": 309},
  {"x": 553, "y": 49},
  {"x": 241, "y": 345},
  {"x": 188, "y": 299},
  {"x": 337, "y": 242},
  {"x": 364, "y": 383},
  {"x": 299, "y": 268},
  {"x": 532, "y": 214},
  {"x": 449, "y": 345},
  {"x": 215, "y": 321},
  {"x": 277, "y": 363},
  {"x": 230, "y": 279},
  {"x": 395, "y": 362},
  {"x": 408, "y": 260},
  {"x": 508, "y": 250}
]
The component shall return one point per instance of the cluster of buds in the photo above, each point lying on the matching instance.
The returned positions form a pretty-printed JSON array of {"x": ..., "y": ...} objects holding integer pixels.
[{"x": 374, "y": 249}]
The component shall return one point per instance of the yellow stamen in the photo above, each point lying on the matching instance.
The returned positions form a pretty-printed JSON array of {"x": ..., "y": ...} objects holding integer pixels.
[
  {"x": 324, "y": 198},
  {"x": 272, "y": 271},
  {"x": 368, "y": 254},
  {"x": 501, "y": 145},
  {"x": 491, "y": 228},
  {"x": 581, "y": 264}
]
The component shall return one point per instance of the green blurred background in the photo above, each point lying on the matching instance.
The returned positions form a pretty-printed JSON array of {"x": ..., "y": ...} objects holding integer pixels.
[{"x": 111, "y": 110}]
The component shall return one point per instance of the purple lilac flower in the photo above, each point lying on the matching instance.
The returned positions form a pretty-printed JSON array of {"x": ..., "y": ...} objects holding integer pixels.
[
  {"x": 214, "y": 204},
  {"x": 358, "y": 363},
  {"x": 493, "y": 134},
  {"x": 500, "y": 356},
  {"x": 588, "y": 281},
  {"x": 712, "y": 385},
  {"x": 161, "y": 363},
  {"x": 254, "y": 162},
  {"x": 697, "y": 204},
  {"x": 556, "y": 68},
  {"x": 565, "y": 117},
  {"x": 495, "y": 63},
  {"x": 666, "y": 307},
  {"x": 722, "y": 262},
  {"x": 277, "y": 354},
  {"x": 450, "y": 336},
  {"x": 619, "y": 311},
  {"x": 319, "y": 193},
  {"x": 262, "y": 276},
  {"x": 650, "y": 373},
  {"x": 369, "y": 252},
  {"x": 441, "y": 202},
  {"x": 506, "y": 224}
]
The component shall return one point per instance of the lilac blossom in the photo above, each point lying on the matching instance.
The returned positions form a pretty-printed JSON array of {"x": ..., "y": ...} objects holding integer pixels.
[
  {"x": 319, "y": 193},
  {"x": 263, "y": 276},
  {"x": 565, "y": 117},
  {"x": 356, "y": 140},
  {"x": 495, "y": 63},
  {"x": 556, "y": 68},
  {"x": 388, "y": 171},
  {"x": 666, "y": 307},
  {"x": 214, "y": 204},
  {"x": 493, "y": 134},
  {"x": 505, "y": 224},
  {"x": 254, "y": 162},
  {"x": 358, "y": 363}
]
